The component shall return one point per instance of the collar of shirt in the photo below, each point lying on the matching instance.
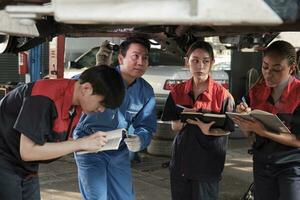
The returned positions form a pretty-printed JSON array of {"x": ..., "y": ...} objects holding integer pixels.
[
  {"x": 67, "y": 99},
  {"x": 266, "y": 91},
  {"x": 118, "y": 68},
  {"x": 287, "y": 90},
  {"x": 207, "y": 94}
]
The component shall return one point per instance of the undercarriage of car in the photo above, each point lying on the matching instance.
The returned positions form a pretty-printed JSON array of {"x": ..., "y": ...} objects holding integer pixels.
[{"x": 172, "y": 23}]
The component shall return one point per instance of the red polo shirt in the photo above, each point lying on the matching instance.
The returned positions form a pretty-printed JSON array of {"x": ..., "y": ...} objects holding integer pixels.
[
  {"x": 287, "y": 109},
  {"x": 40, "y": 111},
  {"x": 195, "y": 155}
]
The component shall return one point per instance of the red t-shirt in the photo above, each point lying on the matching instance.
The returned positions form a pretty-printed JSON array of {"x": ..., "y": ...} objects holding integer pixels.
[{"x": 38, "y": 110}]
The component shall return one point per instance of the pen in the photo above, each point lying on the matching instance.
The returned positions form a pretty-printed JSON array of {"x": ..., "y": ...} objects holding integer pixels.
[
  {"x": 244, "y": 101},
  {"x": 245, "y": 105}
]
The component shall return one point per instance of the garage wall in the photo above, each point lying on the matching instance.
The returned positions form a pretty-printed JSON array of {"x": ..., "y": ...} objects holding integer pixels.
[
  {"x": 241, "y": 62},
  {"x": 45, "y": 59},
  {"x": 9, "y": 69},
  {"x": 9, "y": 66}
]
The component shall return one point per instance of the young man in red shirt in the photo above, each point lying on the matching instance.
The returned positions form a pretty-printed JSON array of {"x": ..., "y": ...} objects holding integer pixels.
[{"x": 37, "y": 118}]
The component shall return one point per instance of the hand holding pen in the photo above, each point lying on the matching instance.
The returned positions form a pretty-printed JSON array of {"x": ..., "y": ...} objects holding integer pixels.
[{"x": 243, "y": 106}]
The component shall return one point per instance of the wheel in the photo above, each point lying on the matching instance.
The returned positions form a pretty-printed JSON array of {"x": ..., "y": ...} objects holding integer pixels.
[
  {"x": 164, "y": 131},
  {"x": 160, "y": 147},
  {"x": 5, "y": 42}
]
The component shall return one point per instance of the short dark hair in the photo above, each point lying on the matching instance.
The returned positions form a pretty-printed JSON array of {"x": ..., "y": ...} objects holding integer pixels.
[
  {"x": 106, "y": 81},
  {"x": 201, "y": 45},
  {"x": 138, "y": 40}
]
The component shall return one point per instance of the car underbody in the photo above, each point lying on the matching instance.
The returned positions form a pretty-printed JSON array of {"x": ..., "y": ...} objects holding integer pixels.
[{"x": 175, "y": 24}]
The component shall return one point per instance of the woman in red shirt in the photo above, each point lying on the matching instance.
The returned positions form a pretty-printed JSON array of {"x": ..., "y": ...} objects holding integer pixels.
[
  {"x": 276, "y": 156},
  {"x": 199, "y": 150}
]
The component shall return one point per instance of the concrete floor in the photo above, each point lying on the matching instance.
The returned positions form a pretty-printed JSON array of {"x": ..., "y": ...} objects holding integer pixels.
[{"x": 59, "y": 179}]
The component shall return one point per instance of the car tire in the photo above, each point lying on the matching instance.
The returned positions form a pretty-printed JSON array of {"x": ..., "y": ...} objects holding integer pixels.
[
  {"x": 164, "y": 131},
  {"x": 159, "y": 147}
]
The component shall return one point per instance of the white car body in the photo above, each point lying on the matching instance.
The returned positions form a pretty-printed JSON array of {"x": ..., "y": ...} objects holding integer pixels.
[{"x": 158, "y": 75}]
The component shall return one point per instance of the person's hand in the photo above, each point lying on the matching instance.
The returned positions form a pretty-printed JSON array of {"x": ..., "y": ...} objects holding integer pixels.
[
  {"x": 93, "y": 142},
  {"x": 133, "y": 143},
  {"x": 104, "y": 55},
  {"x": 243, "y": 107},
  {"x": 250, "y": 126},
  {"x": 203, "y": 126}
]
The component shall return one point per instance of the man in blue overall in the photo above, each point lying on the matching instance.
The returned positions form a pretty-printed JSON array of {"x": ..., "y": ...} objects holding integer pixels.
[{"x": 107, "y": 175}]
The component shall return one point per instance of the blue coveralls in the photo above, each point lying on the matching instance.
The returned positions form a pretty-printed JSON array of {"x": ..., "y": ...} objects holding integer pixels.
[{"x": 107, "y": 175}]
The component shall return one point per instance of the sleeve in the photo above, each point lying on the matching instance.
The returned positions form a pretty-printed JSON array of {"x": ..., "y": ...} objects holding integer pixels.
[
  {"x": 229, "y": 106},
  {"x": 35, "y": 119},
  {"x": 170, "y": 112},
  {"x": 144, "y": 123}
]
